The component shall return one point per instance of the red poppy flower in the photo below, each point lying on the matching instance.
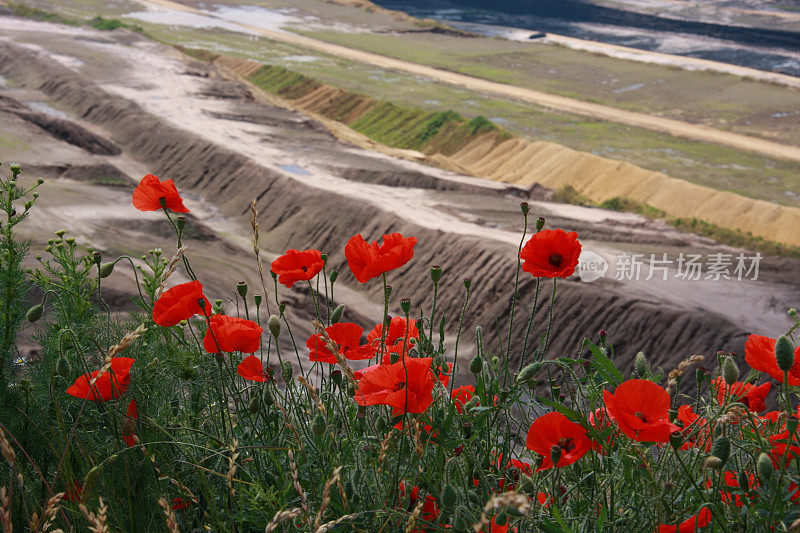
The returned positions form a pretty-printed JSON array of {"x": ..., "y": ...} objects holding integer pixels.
[
  {"x": 551, "y": 253},
  {"x": 112, "y": 384},
  {"x": 73, "y": 492},
  {"x": 696, "y": 432},
  {"x": 543, "y": 498},
  {"x": 396, "y": 332},
  {"x": 462, "y": 395},
  {"x": 232, "y": 334},
  {"x": 430, "y": 511},
  {"x": 759, "y": 352},
  {"x": 640, "y": 409},
  {"x": 182, "y": 503},
  {"x": 150, "y": 191},
  {"x": 747, "y": 393},
  {"x": 782, "y": 452},
  {"x": 252, "y": 368},
  {"x": 181, "y": 302},
  {"x": 347, "y": 335},
  {"x": 494, "y": 527},
  {"x": 294, "y": 266},
  {"x": 129, "y": 425},
  {"x": 554, "y": 429},
  {"x": 368, "y": 261},
  {"x": 731, "y": 479},
  {"x": 406, "y": 386},
  {"x": 600, "y": 419},
  {"x": 513, "y": 468},
  {"x": 690, "y": 525}
]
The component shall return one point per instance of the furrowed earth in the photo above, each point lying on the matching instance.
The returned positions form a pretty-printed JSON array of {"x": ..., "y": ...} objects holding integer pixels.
[{"x": 92, "y": 112}]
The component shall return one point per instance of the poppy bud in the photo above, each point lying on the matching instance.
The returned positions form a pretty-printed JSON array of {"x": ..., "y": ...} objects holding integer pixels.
[
  {"x": 529, "y": 372},
  {"x": 318, "y": 426},
  {"x": 106, "y": 269},
  {"x": 713, "y": 463},
  {"x": 336, "y": 316},
  {"x": 241, "y": 288},
  {"x": 730, "y": 372},
  {"x": 436, "y": 273},
  {"x": 467, "y": 282},
  {"x": 540, "y": 224},
  {"x": 267, "y": 397},
  {"x": 257, "y": 299},
  {"x": 744, "y": 481},
  {"x": 722, "y": 449},
  {"x": 254, "y": 405},
  {"x": 476, "y": 365},
  {"x": 333, "y": 276},
  {"x": 676, "y": 439},
  {"x": 288, "y": 371},
  {"x": 63, "y": 368},
  {"x": 405, "y": 305},
  {"x": 449, "y": 497},
  {"x": 783, "y": 353},
  {"x": 640, "y": 364},
  {"x": 555, "y": 454},
  {"x": 525, "y": 207},
  {"x": 34, "y": 313},
  {"x": 274, "y": 325},
  {"x": 460, "y": 525},
  {"x": 764, "y": 467}
]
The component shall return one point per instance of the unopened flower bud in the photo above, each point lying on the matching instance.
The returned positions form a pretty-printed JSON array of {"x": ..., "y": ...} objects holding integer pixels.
[
  {"x": 106, "y": 269},
  {"x": 540, "y": 224},
  {"x": 713, "y": 463},
  {"x": 784, "y": 353},
  {"x": 63, "y": 368},
  {"x": 476, "y": 365},
  {"x": 287, "y": 370},
  {"x": 318, "y": 426},
  {"x": 449, "y": 497},
  {"x": 35, "y": 313},
  {"x": 744, "y": 481},
  {"x": 336, "y": 315},
  {"x": 241, "y": 288},
  {"x": 524, "y": 207},
  {"x": 640, "y": 364},
  {"x": 274, "y": 325},
  {"x": 529, "y": 372},
  {"x": 764, "y": 467},
  {"x": 722, "y": 449},
  {"x": 436, "y": 273},
  {"x": 255, "y": 405},
  {"x": 405, "y": 305},
  {"x": 333, "y": 276},
  {"x": 730, "y": 371},
  {"x": 555, "y": 454}
]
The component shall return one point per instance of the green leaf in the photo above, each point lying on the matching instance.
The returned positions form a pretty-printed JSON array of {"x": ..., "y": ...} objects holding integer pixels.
[
  {"x": 603, "y": 365},
  {"x": 571, "y": 414}
]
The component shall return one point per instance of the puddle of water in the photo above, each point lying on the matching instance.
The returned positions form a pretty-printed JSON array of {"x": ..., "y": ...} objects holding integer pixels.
[
  {"x": 47, "y": 109},
  {"x": 294, "y": 169}
]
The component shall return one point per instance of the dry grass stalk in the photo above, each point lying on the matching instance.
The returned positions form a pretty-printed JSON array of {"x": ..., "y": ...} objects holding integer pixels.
[
  {"x": 326, "y": 495},
  {"x": 282, "y": 516},
  {"x": 5, "y": 510},
  {"x": 126, "y": 341},
  {"x": 232, "y": 467},
  {"x": 171, "y": 266},
  {"x": 333, "y": 523},
  {"x": 507, "y": 499},
  {"x": 97, "y": 521},
  {"x": 384, "y": 449},
  {"x": 7, "y": 450},
  {"x": 299, "y": 488},
  {"x": 172, "y": 520},
  {"x": 334, "y": 349},
  {"x": 50, "y": 510},
  {"x": 682, "y": 368},
  {"x": 735, "y": 414},
  {"x": 414, "y": 515},
  {"x": 256, "y": 251},
  {"x": 313, "y": 394}
]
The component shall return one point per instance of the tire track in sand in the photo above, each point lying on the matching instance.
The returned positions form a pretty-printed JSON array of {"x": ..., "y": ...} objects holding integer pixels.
[{"x": 676, "y": 128}]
